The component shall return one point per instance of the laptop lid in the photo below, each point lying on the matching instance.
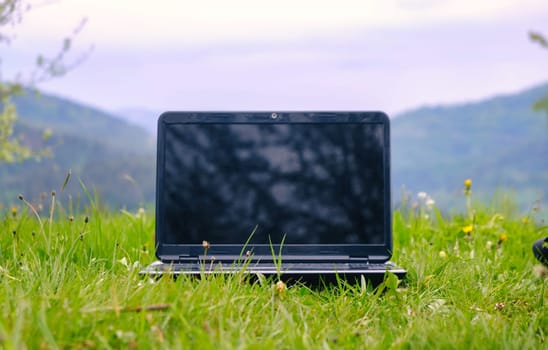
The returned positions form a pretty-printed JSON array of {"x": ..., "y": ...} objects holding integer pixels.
[{"x": 318, "y": 182}]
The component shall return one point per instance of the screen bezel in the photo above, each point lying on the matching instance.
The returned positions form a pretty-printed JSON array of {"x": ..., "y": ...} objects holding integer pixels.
[{"x": 171, "y": 252}]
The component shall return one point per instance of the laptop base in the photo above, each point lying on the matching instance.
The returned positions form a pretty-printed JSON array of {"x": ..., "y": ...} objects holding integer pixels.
[{"x": 309, "y": 274}]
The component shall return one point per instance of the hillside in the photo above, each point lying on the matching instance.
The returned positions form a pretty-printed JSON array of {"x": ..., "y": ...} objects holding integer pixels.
[
  {"x": 111, "y": 156},
  {"x": 67, "y": 117},
  {"x": 499, "y": 143}
]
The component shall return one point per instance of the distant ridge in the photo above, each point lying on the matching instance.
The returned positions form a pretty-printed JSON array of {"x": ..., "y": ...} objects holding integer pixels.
[
  {"x": 65, "y": 116},
  {"x": 499, "y": 142},
  {"x": 109, "y": 155}
]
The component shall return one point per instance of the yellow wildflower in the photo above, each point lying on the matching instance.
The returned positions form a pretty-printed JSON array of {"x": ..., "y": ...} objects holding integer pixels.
[
  {"x": 503, "y": 237},
  {"x": 467, "y": 184},
  {"x": 468, "y": 229}
]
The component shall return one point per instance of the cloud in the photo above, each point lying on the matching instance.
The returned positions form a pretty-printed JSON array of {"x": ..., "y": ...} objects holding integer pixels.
[
  {"x": 348, "y": 63},
  {"x": 415, "y": 5},
  {"x": 167, "y": 23}
]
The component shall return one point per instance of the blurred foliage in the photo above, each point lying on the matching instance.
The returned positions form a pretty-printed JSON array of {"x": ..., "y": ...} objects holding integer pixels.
[
  {"x": 542, "y": 103},
  {"x": 107, "y": 154},
  {"x": 15, "y": 148},
  {"x": 11, "y": 148},
  {"x": 539, "y": 38}
]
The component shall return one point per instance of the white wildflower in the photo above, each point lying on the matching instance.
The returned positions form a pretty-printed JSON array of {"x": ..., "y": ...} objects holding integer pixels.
[
  {"x": 123, "y": 261},
  {"x": 140, "y": 213}
]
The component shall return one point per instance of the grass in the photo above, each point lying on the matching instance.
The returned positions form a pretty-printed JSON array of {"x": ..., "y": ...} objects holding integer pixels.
[{"x": 73, "y": 282}]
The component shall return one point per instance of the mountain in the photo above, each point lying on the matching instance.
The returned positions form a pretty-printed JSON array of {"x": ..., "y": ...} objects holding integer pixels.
[
  {"x": 107, "y": 154},
  {"x": 499, "y": 143},
  {"x": 64, "y": 116}
]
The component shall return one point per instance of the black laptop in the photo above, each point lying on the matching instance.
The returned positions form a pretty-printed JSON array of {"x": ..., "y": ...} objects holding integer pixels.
[{"x": 304, "y": 195}]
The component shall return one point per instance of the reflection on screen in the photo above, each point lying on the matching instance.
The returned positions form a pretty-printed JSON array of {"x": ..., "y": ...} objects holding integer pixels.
[{"x": 312, "y": 183}]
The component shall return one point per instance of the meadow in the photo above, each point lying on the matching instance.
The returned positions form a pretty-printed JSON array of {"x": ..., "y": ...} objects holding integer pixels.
[{"x": 70, "y": 280}]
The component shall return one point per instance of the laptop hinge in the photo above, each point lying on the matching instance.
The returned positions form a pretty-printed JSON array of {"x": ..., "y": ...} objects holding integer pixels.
[
  {"x": 361, "y": 259},
  {"x": 177, "y": 258},
  {"x": 187, "y": 258},
  {"x": 266, "y": 258},
  {"x": 285, "y": 258}
]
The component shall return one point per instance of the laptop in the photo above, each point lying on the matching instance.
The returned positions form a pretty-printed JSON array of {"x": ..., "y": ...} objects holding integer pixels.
[{"x": 301, "y": 195}]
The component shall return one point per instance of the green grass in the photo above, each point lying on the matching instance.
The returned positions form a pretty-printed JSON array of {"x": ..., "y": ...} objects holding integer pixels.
[{"x": 72, "y": 284}]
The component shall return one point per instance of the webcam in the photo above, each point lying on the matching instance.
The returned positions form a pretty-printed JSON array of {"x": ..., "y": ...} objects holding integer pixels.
[{"x": 274, "y": 115}]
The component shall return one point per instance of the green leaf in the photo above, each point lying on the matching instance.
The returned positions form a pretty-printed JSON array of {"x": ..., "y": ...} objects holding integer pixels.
[{"x": 67, "y": 178}]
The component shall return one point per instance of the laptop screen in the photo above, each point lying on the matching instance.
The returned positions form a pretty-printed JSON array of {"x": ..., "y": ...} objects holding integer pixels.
[{"x": 309, "y": 183}]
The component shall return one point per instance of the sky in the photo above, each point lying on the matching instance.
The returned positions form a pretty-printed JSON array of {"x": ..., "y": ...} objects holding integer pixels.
[{"x": 390, "y": 55}]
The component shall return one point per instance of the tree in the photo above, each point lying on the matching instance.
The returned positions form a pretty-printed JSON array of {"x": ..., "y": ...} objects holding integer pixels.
[{"x": 12, "y": 149}]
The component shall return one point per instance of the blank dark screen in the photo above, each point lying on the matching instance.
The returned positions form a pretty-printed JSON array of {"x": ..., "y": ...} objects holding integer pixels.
[{"x": 310, "y": 183}]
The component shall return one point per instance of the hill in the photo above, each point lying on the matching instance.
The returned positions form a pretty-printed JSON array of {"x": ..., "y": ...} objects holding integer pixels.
[
  {"x": 499, "y": 143},
  {"x": 108, "y": 154},
  {"x": 67, "y": 117}
]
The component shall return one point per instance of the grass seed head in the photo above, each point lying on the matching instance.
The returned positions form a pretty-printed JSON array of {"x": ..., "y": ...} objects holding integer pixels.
[
  {"x": 206, "y": 244},
  {"x": 280, "y": 288}
]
